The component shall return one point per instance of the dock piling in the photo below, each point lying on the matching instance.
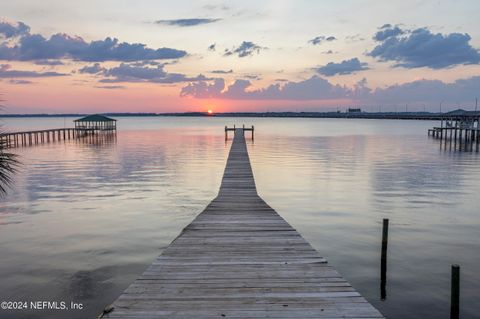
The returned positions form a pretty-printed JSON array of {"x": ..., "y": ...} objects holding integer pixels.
[
  {"x": 455, "y": 293},
  {"x": 383, "y": 275},
  {"x": 242, "y": 130},
  {"x": 461, "y": 128}
]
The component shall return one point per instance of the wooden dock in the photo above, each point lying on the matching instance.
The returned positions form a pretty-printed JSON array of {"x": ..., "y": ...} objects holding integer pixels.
[
  {"x": 240, "y": 259},
  {"x": 466, "y": 139},
  {"x": 30, "y": 138},
  {"x": 458, "y": 130}
]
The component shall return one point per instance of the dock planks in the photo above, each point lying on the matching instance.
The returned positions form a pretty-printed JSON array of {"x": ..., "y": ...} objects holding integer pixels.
[{"x": 240, "y": 259}]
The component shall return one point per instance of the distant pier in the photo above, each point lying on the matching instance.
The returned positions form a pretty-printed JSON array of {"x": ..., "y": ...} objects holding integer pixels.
[
  {"x": 243, "y": 129},
  {"x": 88, "y": 125},
  {"x": 459, "y": 130},
  {"x": 240, "y": 259},
  {"x": 29, "y": 138}
]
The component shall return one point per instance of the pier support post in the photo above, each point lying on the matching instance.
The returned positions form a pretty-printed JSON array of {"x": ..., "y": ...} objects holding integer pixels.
[
  {"x": 383, "y": 274},
  {"x": 455, "y": 294},
  {"x": 477, "y": 140}
]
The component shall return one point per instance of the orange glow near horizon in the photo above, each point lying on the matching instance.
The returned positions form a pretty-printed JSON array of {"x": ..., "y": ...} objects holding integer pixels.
[{"x": 210, "y": 112}]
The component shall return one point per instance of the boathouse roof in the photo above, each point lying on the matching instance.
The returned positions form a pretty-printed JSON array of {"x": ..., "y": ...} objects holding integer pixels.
[
  {"x": 95, "y": 118},
  {"x": 462, "y": 113}
]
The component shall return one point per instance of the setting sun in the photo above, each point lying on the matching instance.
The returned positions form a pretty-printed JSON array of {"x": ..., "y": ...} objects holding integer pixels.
[{"x": 210, "y": 112}]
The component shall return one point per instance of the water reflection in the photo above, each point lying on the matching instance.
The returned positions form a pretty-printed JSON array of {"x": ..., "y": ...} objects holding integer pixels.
[
  {"x": 86, "y": 218},
  {"x": 334, "y": 189}
]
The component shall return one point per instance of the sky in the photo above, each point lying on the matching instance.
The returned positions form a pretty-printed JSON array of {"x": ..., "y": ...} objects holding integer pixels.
[{"x": 91, "y": 56}]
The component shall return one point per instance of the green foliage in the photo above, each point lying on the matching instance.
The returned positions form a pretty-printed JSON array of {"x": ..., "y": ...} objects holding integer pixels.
[{"x": 8, "y": 165}]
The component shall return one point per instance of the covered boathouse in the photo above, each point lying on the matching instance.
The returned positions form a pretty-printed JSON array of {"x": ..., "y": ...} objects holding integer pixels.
[{"x": 96, "y": 122}]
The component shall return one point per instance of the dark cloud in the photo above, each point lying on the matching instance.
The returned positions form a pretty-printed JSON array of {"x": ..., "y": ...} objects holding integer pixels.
[
  {"x": 245, "y": 49},
  {"x": 7, "y": 72},
  {"x": 354, "y": 38},
  {"x": 49, "y": 62},
  {"x": 428, "y": 91},
  {"x": 110, "y": 87},
  {"x": 10, "y": 30},
  {"x": 314, "y": 88},
  {"x": 15, "y": 81},
  {"x": 328, "y": 52},
  {"x": 317, "y": 88},
  {"x": 422, "y": 48},
  {"x": 151, "y": 63},
  {"x": 92, "y": 69},
  {"x": 252, "y": 76},
  {"x": 186, "y": 22},
  {"x": 387, "y": 31},
  {"x": 344, "y": 67},
  {"x": 130, "y": 73},
  {"x": 320, "y": 39},
  {"x": 212, "y": 47},
  {"x": 216, "y": 7},
  {"x": 27, "y": 47},
  {"x": 222, "y": 71},
  {"x": 204, "y": 90}
]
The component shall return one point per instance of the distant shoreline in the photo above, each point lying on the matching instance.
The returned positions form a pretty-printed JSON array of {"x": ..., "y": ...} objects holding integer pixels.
[{"x": 353, "y": 115}]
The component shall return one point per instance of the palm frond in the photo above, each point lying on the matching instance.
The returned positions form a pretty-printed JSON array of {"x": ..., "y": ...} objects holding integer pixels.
[{"x": 8, "y": 165}]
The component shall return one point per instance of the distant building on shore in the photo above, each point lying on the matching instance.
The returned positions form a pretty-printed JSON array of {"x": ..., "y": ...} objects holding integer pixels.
[{"x": 351, "y": 110}]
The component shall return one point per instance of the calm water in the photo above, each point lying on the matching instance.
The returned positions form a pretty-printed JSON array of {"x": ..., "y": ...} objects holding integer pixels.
[{"x": 86, "y": 217}]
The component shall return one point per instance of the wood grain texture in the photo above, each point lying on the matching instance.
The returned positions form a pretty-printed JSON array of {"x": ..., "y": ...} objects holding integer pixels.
[{"x": 240, "y": 259}]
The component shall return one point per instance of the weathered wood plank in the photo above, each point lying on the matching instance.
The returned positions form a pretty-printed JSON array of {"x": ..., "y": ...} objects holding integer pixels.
[{"x": 240, "y": 259}]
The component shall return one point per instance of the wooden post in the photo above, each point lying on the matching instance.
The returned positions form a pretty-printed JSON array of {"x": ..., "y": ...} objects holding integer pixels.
[
  {"x": 383, "y": 273},
  {"x": 460, "y": 138},
  {"x": 253, "y": 129},
  {"x": 478, "y": 137},
  {"x": 226, "y": 133},
  {"x": 455, "y": 293}
]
